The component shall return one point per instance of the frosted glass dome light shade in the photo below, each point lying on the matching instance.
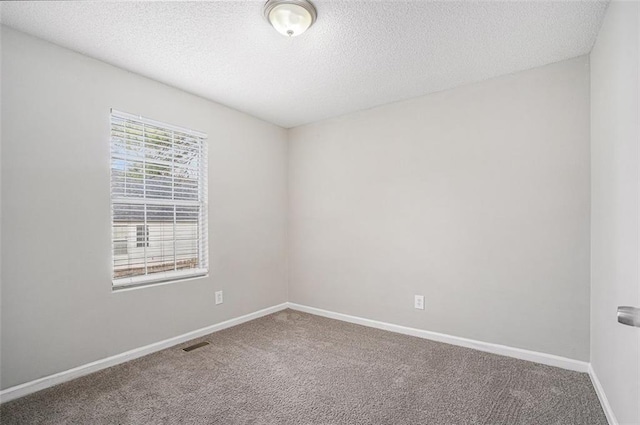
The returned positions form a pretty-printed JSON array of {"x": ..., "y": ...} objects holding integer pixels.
[{"x": 290, "y": 17}]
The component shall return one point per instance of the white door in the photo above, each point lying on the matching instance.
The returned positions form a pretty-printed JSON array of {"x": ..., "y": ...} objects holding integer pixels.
[{"x": 615, "y": 211}]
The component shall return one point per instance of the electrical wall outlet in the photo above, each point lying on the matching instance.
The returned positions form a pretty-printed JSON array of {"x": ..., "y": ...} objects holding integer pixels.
[
  {"x": 418, "y": 302},
  {"x": 219, "y": 297}
]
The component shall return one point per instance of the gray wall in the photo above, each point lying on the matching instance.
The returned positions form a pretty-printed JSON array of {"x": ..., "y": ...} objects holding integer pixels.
[
  {"x": 615, "y": 349},
  {"x": 476, "y": 197},
  {"x": 58, "y": 310}
]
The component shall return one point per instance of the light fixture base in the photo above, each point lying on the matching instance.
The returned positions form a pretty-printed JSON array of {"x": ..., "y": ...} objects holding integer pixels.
[{"x": 290, "y": 17}]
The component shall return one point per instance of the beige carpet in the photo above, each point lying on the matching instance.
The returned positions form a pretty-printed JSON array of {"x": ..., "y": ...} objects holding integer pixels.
[{"x": 296, "y": 368}]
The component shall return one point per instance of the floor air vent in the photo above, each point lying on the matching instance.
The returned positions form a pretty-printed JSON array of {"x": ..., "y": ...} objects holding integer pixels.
[{"x": 193, "y": 347}]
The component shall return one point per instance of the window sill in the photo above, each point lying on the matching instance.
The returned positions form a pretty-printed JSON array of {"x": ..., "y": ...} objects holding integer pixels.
[{"x": 157, "y": 279}]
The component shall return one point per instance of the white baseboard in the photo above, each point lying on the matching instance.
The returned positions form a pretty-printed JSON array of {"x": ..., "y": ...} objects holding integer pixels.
[
  {"x": 67, "y": 375},
  {"x": 533, "y": 356},
  {"x": 604, "y": 402},
  {"x": 518, "y": 353}
]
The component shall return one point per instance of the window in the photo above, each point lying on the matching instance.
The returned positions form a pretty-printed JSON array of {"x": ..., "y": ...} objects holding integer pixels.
[
  {"x": 158, "y": 196},
  {"x": 142, "y": 236},
  {"x": 119, "y": 240}
]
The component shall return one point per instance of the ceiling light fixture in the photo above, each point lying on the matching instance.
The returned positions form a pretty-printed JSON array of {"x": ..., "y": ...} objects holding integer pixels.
[{"x": 290, "y": 17}]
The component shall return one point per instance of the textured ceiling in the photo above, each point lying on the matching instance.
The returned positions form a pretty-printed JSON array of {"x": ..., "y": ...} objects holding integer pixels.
[{"x": 358, "y": 54}]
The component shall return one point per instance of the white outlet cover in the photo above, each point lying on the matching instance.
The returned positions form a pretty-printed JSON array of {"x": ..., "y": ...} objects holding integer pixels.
[
  {"x": 219, "y": 298},
  {"x": 419, "y": 302}
]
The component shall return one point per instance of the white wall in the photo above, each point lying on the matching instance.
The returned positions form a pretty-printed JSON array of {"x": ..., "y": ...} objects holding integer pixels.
[
  {"x": 615, "y": 355},
  {"x": 476, "y": 197},
  {"x": 58, "y": 310}
]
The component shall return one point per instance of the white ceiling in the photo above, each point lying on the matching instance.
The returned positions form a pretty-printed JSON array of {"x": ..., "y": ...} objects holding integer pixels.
[{"x": 358, "y": 54}]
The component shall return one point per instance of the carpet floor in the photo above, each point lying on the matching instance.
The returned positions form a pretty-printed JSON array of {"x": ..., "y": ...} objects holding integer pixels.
[{"x": 297, "y": 368}]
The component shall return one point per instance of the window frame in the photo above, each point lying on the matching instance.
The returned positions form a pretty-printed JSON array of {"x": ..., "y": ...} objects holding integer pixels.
[{"x": 169, "y": 276}]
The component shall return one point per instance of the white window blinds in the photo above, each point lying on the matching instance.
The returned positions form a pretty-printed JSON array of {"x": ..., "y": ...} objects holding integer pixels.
[{"x": 158, "y": 201}]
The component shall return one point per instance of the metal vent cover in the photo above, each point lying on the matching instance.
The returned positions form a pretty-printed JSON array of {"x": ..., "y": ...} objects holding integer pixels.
[{"x": 194, "y": 346}]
